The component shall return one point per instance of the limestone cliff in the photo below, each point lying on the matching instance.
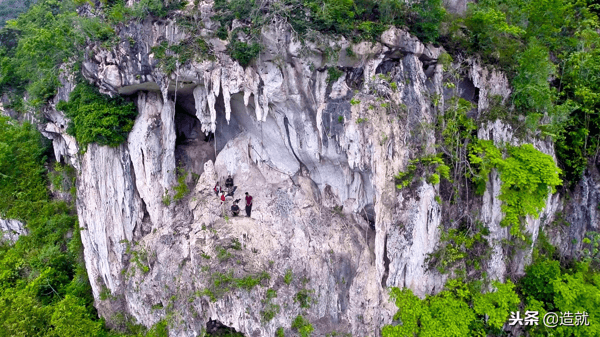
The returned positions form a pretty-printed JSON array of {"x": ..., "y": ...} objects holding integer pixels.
[{"x": 319, "y": 157}]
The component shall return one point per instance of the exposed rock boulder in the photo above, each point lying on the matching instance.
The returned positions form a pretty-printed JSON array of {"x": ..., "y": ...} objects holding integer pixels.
[{"x": 10, "y": 230}]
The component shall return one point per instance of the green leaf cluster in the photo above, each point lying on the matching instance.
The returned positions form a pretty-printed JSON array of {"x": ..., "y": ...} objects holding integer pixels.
[
  {"x": 304, "y": 299},
  {"x": 270, "y": 310},
  {"x": 222, "y": 283},
  {"x": 547, "y": 287},
  {"x": 44, "y": 290},
  {"x": 191, "y": 49},
  {"x": 459, "y": 310},
  {"x": 432, "y": 165},
  {"x": 461, "y": 244},
  {"x": 243, "y": 52},
  {"x": 96, "y": 118},
  {"x": 303, "y": 326},
  {"x": 527, "y": 176},
  {"x": 181, "y": 189},
  {"x": 356, "y": 19},
  {"x": 333, "y": 74}
]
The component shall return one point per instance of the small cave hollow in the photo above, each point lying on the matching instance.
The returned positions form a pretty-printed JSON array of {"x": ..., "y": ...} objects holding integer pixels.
[
  {"x": 192, "y": 146},
  {"x": 368, "y": 213},
  {"x": 215, "y": 328}
]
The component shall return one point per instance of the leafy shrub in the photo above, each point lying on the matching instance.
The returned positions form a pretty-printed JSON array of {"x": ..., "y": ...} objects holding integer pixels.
[
  {"x": 242, "y": 52},
  {"x": 333, "y": 74},
  {"x": 303, "y": 326},
  {"x": 303, "y": 298},
  {"x": 549, "y": 287},
  {"x": 222, "y": 283},
  {"x": 97, "y": 118},
  {"x": 489, "y": 29},
  {"x": 527, "y": 176},
  {"x": 155, "y": 8},
  {"x": 181, "y": 189},
  {"x": 424, "y": 164},
  {"x": 287, "y": 279},
  {"x": 538, "y": 281},
  {"x": 270, "y": 310},
  {"x": 425, "y": 23},
  {"x": 532, "y": 92},
  {"x": 44, "y": 289}
]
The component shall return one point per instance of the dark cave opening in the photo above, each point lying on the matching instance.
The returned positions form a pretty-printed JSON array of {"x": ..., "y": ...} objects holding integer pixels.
[
  {"x": 215, "y": 328},
  {"x": 368, "y": 213},
  {"x": 192, "y": 146}
]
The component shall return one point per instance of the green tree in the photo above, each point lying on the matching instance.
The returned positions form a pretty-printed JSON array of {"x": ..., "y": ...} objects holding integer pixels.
[{"x": 72, "y": 319}]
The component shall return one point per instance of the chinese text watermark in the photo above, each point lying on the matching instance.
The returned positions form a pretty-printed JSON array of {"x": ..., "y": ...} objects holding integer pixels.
[{"x": 551, "y": 319}]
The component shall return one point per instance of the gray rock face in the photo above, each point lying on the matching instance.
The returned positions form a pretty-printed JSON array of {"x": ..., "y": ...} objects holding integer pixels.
[
  {"x": 10, "y": 230},
  {"x": 456, "y": 6},
  {"x": 319, "y": 158},
  {"x": 578, "y": 215},
  {"x": 109, "y": 209},
  {"x": 500, "y": 265}
]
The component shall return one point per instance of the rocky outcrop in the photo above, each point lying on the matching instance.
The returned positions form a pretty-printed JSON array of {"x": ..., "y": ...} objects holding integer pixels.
[
  {"x": 579, "y": 214},
  {"x": 318, "y": 155},
  {"x": 10, "y": 230}
]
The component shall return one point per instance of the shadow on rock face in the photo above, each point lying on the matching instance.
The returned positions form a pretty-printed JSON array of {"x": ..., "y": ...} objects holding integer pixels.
[
  {"x": 193, "y": 147},
  {"x": 215, "y": 328}
]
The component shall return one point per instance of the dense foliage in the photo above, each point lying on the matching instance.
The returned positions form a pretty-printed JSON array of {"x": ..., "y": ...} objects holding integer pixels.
[
  {"x": 357, "y": 19},
  {"x": 97, "y": 118},
  {"x": 459, "y": 310},
  {"x": 463, "y": 310},
  {"x": 44, "y": 289},
  {"x": 555, "y": 77},
  {"x": 35, "y": 46},
  {"x": 10, "y": 9}
]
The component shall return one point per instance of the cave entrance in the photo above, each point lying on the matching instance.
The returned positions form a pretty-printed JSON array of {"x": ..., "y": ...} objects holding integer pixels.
[
  {"x": 215, "y": 328},
  {"x": 192, "y": 147}
]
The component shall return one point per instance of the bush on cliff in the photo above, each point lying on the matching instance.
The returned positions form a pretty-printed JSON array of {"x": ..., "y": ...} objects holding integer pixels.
[{"x": 97, "y": 118}]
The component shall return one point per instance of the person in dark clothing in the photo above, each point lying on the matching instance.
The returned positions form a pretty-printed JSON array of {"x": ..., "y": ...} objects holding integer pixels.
[
  {"x": 231, "y": 191},
  {"x": 229, "y": 182},
  {"x": 248, "y": 204},
  {"x": 235, "y": 209}
]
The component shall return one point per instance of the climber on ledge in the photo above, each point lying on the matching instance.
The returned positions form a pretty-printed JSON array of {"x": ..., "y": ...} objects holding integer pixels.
[
  {"x": 235, "y": 209},
  {"x": 248, "y": 204},
  {"x": 217, "y": 189},
  {"x": 231, "y": 191}
]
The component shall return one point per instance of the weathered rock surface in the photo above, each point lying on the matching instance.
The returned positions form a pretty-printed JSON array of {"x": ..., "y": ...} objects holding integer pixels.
[
  {"x": 319, "y": 159},
  {"x": 10, "y": 230}
]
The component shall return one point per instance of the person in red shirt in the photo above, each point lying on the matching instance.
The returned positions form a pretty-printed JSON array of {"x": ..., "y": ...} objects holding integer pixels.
[
  {"x": 222, "y": 198},
  {"x": 248, "y": 204}
]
